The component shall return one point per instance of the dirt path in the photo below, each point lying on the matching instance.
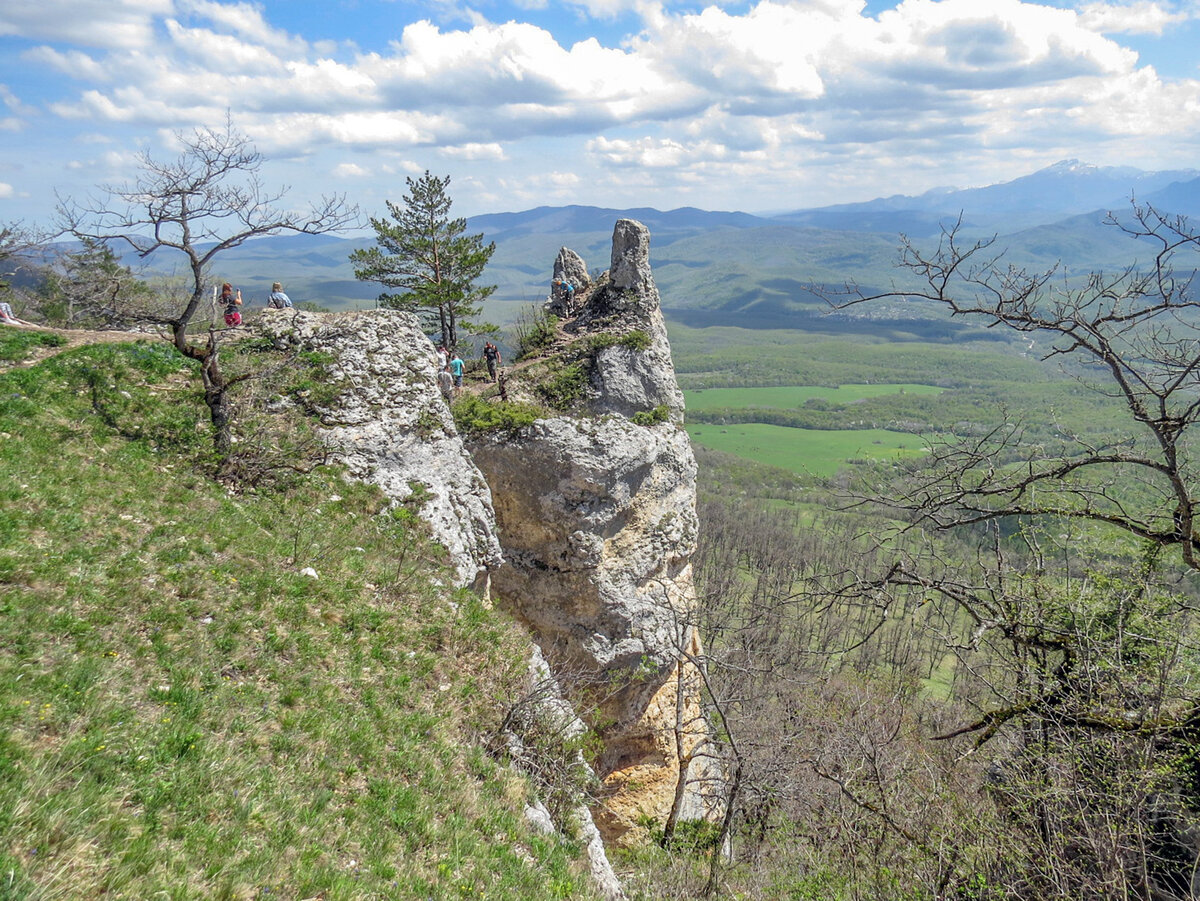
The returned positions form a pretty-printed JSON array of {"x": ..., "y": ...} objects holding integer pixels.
[{"x": 73, "y": 337}]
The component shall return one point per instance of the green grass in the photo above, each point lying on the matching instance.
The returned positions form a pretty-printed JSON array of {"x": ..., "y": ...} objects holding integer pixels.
[
  {"x": 792, "y": 397},
  {"x": 185, "y": 714},
  {"x": 819, "y": 452},
  {"x": 17, "y": 344}
]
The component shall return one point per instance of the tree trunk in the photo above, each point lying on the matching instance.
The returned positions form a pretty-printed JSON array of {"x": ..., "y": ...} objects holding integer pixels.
[
  {"x": 683, "y": 757},
  {"x": 216, "y": 395},
  {"x": 216, "y": 386}
]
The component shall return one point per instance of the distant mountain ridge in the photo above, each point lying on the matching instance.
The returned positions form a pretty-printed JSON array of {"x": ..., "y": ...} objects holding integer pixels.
[
  {"x": 740, "y": 268},
  {"x": 1067, "y": 187}
]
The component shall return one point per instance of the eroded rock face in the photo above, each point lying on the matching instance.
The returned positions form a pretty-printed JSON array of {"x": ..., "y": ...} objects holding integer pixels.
[
  {"x": 598, "y": 523},
  {"x": 598, "y": 564},
  {"x": 628, "y": 379},
  {"x": 569, "y": 266},
  {"x": 392, "y": 428}
]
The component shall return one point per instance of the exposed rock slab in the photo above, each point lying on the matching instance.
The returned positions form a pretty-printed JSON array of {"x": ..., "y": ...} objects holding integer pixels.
[{"x": 391, "y": 426}]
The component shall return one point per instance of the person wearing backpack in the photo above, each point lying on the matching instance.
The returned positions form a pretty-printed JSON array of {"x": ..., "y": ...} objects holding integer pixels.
[
  {"x": 278, "y": 300},
  {"x": 491, "y": 356},
  {"x": 445, "y": 382}
]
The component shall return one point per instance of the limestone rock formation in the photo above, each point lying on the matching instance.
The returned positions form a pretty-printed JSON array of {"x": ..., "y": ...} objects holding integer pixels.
[
  {"x": 628, "y": 378},
  {"x": 598, "y": 523},
  {"x": 594, "y": 506},
  {"x": 569, "y": 266},
  {"x": 392, "y": 428}
]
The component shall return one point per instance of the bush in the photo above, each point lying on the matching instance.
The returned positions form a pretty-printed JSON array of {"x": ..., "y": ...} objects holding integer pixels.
[
  {"x": 651, "y": 417},
  {"x": 475, "y": 415},
  {"x": 565, "y": 387},
  {"x": 634, "y": 340}
]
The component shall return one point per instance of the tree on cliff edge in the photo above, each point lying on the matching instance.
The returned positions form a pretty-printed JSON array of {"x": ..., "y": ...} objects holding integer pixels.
[
  {"x": 426, "y": 254},
  {"x": 205, "y": 201}
]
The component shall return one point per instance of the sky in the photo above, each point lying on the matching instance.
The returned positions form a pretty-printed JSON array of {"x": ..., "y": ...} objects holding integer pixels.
[{"x": 756, "y": 106}]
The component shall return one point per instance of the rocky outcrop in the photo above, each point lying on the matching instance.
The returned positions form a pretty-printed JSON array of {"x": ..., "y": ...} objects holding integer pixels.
[
  {"x": 635, "y": 375},
  {"x": 391, "y": 427},
  {"x": 594, "y": 507},
  {"x": 569, "y": 266},
  {"x": 598, "y": 524}
]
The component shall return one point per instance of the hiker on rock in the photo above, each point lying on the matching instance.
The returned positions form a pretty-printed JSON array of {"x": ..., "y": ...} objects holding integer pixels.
[
  {"x": 491, "y": 356},
  {"x": 231, "y": 302},
  {"x": 445, "y": 382},
  {"x": 278, "y": 300},
  {"x": 456, "y": 367}
]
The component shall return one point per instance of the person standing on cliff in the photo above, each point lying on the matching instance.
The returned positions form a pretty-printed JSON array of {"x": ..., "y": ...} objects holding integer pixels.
[
  {"x": 231, "y": 302},
  {"x": 491, "y": 356},
  {"x": 456, "y": 367},
  {"x": 445, "y": 382}
]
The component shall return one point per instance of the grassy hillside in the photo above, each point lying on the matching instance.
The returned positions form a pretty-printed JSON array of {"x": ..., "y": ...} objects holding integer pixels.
[{"x": 185, "y": 712}]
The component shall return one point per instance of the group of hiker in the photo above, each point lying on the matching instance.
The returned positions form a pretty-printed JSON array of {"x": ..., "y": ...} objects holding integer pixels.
[
  {"x": 450, "y": 365},
  {"x": 230, "y": 300},
  {"x": 450, "y": 368}
]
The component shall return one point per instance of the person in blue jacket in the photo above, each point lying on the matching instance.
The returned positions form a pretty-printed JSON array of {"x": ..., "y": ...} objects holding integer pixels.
[{"x": 278, "y": 300}]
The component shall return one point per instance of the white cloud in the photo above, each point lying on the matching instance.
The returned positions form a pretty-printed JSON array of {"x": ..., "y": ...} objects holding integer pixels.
[
  {"x": 89, "y": 23},
  {"x": 6, "y": 190},
  {"x": 491, "y": 151},
  {"x": 73, "y": 63},
  {"x": 243, "y": 19},
  {"x": 767, "y": 93},
  {"x": 1137, "y": 17},
  {"x": 655, "y": 153},
  {"x": 13, "y": 102}
]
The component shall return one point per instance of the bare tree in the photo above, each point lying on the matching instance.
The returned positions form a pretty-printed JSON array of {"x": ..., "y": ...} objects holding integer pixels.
[
  {"x": 1133, "y": 337},
  {"x": 207, "y": 200},
  {"x": 1073, "y": 624}
]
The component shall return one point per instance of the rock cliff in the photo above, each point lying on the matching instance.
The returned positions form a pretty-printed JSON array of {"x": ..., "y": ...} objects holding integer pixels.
[
  {"x": 583, "y": 521},
  {"x": 598, "y": 524},
  {"x": 391, "y": 427}
]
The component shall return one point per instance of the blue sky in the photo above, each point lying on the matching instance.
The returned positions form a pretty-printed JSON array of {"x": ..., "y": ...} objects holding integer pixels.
[{"x": 755, "y": 106}]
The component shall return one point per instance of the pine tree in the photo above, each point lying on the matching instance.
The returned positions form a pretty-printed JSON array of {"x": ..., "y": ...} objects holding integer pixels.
[{"x": 426, "y": 254}]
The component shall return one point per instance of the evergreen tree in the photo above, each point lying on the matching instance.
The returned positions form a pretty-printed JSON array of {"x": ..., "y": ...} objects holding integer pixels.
[{"x": 426, "y": 254}]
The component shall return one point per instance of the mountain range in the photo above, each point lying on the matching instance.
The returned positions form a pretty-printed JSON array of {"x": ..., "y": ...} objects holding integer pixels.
[{"x": 716, "y": 267}]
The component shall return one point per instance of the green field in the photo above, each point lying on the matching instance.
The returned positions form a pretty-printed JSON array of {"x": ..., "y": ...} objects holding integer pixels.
[
  {"x": 819, "y": 452},
  {"x": 793, "y": 397}
]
